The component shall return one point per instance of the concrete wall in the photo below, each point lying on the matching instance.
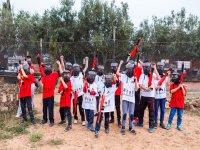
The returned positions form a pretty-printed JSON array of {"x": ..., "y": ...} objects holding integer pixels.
[{"x": 8, "y": 95}]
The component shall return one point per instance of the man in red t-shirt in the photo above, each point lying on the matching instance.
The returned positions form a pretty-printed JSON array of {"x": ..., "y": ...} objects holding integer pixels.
[
  {"x": 114, "y": 67},
  {"x": 178, "y": 92},
  {"x": 48, "y": 82},
  {"x": 25, "y": 92}
]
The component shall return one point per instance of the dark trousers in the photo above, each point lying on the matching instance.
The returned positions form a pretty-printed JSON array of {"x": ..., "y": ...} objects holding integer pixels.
[
  {"x": 27, "y": 101},
  {"x": 48, "y": 103},
  {"x": 137, "y": 103},
  {"x": 117, "y": 106},
  {"x": 81, "y": 110},
  {"x": 147, "y": 101},
  {"x": 159, "y": 103},
  {"x": 98, "y": 124},
  {"x": 66, "y": 112},
  {"x": 98, "y": 98},
  {"x": 89, "y": 116}
]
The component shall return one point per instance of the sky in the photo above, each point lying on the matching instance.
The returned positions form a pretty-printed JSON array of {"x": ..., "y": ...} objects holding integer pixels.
[{"x": 138, "y": 9}]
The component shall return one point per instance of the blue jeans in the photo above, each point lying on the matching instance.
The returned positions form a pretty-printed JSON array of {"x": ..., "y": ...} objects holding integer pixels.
[
  {"x": 106, "y": 122},
  {"x": 173, "y": 112},
  {"x": 159, "y": 103},
  {"x": 127, "y": 107},
  {"x": 89, "y": 116}
]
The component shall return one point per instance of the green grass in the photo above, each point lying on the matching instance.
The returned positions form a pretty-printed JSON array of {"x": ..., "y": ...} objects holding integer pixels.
[
  {"x": 10, "y": 126},
  {"x": 18, "y": 129},
  {"x": 55, "y": 142},
  {"x": 35, "y": 137}
]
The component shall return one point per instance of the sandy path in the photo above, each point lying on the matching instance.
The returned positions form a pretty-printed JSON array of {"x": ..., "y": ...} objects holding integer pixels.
[{"x": 80, "y": 138}]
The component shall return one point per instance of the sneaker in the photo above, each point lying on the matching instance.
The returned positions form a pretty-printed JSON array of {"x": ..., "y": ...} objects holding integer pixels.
[
  {"x": 69, "y": 127},
  {"x": 162, "y": 125},
  {"x": 92, "y": 128},
  {"x": 135, "y": 121},
  {"x": 96, "y": 134},
  {"x": 62, "y": 122},
  {"x": 180, "y": 128},
  {"x": 88, "y": 126},
  {"x": 43, "y": 122},
  {"x": 111, "y": 121},
  {"x": 18, "y": 115},
  {"x": 155, "y": 125},
  {"x": 75, "y": 121},
  {"x": 139, "y": 124},
  {"x": 24, "y": 120},
  {"x": 168, "y": 126},
  {"x": 83, "y": 123},
  {"x": 131, "y": 130},
  {"x": 106, "y": 131},
  {"x": 151, "y": 130},
  {"x": 33, "y": 122},
  {"x": 51, "y": 124},
  {"x": 123, "y": 131}
]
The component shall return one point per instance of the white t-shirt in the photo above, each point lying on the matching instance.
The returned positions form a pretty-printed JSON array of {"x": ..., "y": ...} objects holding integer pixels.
[
  {"x": 89, "y": 101},
  {"x": 99, "y": 80},
  {"x": 109, "y": 102},
  {"x": 161, "y": 93},
  {"x": 144, "y": 81},
  {"x": 128, "y": 88},
  {"x": 77, "y": 84}
]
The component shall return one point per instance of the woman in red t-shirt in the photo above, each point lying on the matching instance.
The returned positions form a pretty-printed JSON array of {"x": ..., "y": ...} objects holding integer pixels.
[{"x": 178, "y": 92}]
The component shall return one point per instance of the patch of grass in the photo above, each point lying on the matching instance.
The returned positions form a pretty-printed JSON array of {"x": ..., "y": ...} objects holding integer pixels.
[
  {"x": 4, "y": 136},
  {"x": 35, "y": 137},
  {"x": 17, "y": 130},
  {"x": 55, "y": 142}
]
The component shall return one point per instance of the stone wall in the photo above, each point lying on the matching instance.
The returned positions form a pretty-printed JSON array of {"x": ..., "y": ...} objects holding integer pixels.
[{"x": 8, "y": 95}]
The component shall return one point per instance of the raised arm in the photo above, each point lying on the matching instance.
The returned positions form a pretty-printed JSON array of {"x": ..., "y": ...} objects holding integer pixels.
[
  {"x": 156, "y": 72},
  {"x": 59, "y": 66},
  {"x": 63, "y": 83},
  {"x": 23, "y": 73},
  {"x": 86, "y": 65},
  {"x": 119, "y": 67},
  {"x": 62, "y": 62}
]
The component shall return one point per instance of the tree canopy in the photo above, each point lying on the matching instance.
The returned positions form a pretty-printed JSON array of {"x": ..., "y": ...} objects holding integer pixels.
[{"x": 76, "y": 34}]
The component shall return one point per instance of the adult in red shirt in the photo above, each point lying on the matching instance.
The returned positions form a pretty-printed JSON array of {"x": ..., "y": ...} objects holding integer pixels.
[
  {"x": 48, "y": 82},
  {"x": 114, "y": 67},
  {"x": 25, "y": 92},
  {"x": 178, "y": 92}
]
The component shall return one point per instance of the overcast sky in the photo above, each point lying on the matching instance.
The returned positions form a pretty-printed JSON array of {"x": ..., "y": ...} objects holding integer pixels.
[{"x": 138, "y": 9}]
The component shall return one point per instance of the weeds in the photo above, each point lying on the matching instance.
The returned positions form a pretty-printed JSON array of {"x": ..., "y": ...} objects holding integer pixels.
[
  {"x": 35, "y": 137},
  {"x": 55, "y": 142}
]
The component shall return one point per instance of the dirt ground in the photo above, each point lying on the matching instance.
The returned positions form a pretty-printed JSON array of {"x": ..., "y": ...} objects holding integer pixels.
[{"x": 80, "y": 138}]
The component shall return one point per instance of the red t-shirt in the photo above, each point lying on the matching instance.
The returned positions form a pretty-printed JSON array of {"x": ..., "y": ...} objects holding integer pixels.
[
  {"x": 119, "y": 89},
  {"x": 65, "y": 99},
  {"x": 49, "y": 82},
  {"x": 25, "y": 89},
  {"x": 177, "y": 98},
  {"x": 137, "y": 72}
]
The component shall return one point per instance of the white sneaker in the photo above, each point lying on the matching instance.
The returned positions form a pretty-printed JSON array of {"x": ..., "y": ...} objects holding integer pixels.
[
  {"x": 75, "y": 121},
  {"x": 18, "y": 115},
  {"x": 83, "y": 123}
]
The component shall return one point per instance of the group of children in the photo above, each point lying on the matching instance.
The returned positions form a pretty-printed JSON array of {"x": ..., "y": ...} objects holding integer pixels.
[{"x": 139, "y": 86}]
